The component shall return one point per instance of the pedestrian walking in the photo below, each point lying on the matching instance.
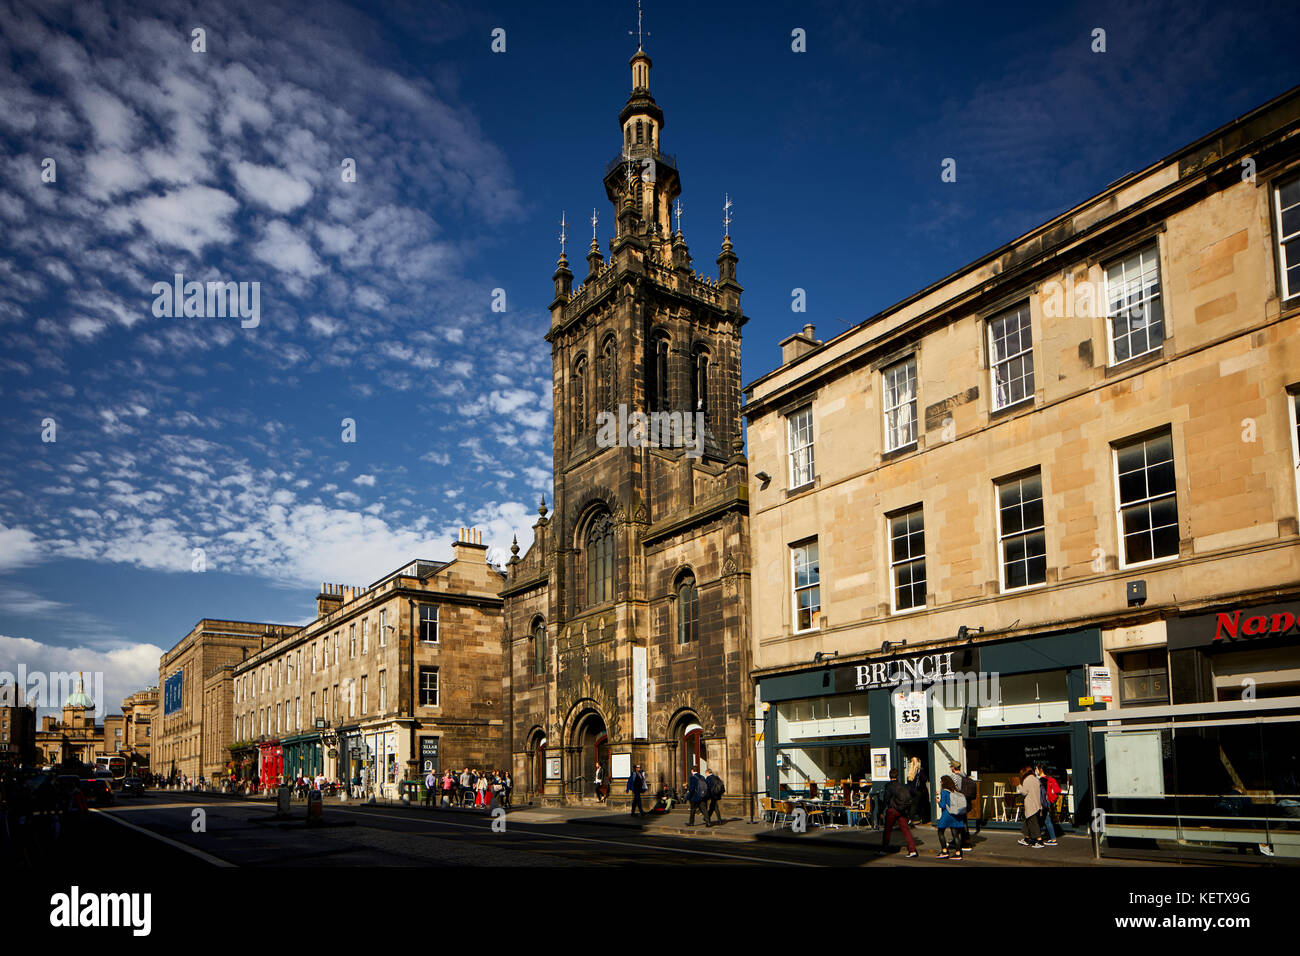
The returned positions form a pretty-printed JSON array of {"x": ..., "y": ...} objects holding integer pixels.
[
  {"x": 430, "y": 787},
  {"x": 1031, "y": 790},
  {"x": 598, "y": 779},
  {"x": 1050, "y": 791},
  {"x": 636, "y": 786},
  {"x": 966, "y": 786},
  {"x": 466, "y": 788},
  {"x": 697, "y": 793},
  {"x": 952, "y": 809},
  {"x": 898, "y": 804},
  {"x": 509, "y": 787},
  {"x": 448, "y": 785},
  {"x": 918, "y": 782},
  {"x": 716, "y": 791}
]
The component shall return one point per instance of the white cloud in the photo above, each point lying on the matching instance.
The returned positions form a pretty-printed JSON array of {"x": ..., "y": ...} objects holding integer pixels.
[
  {"x": 271, "y": 187},
  {"x": 287, "y": 251},
  {"x": 18, "y": 547}
]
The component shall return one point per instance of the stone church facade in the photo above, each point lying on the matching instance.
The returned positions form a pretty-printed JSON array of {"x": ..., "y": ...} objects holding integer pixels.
[{"x": 626, "y": 622}]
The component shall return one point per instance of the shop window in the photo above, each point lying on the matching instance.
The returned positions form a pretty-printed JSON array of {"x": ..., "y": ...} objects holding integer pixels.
[
  {"x": 1021, "y": 537},
  {"x": 1011, "y": 357},
  {"x": 1144, "y": 678},
  {"x": 907, "y": 560},
  {"x": 807, "y": 586},
  {"x": 799, "y": 428},
  {"x": 900, "y": 404},
  {"x": 1134, "y": 308},
  {"x": 1148, "y": 506}
]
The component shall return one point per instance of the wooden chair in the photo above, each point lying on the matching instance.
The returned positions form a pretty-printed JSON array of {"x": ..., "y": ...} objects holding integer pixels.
[
  {"x": 786, "y": 809},
  {"x": 999, "y": 803}
]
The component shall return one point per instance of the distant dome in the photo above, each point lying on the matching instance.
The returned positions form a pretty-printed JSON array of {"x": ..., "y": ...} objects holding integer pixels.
[{"x": 79, "y": 697}]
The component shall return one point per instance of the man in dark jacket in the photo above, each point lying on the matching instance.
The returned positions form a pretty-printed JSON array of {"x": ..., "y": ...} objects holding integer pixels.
[
  {"x": 636, "y": 786},
  {"x": 697, "y": 793},
  {"x": 898, "y": 802}
]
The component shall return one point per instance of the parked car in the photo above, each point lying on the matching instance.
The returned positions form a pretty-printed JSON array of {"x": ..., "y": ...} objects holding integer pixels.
[
  {"x": 98, "y": 791},
  {"x": 133, "y": 785}
]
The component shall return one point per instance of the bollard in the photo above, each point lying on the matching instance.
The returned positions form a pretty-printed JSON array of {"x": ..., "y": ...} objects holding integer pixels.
[
  {"x": 282, "y": 801},
  {"x": 315, "y": 806}
]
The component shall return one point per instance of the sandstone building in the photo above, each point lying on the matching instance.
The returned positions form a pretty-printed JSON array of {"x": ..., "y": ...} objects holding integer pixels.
[
  {"x": 189, "y": 739},
  {"x": 625, "y": 622},
  {"x": 1072, "y": 464},
  {"x": 389, "y": 680}
]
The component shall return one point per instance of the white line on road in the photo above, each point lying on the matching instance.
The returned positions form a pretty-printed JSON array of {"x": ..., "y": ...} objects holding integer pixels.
[
  {"x": 560, "y": 836},
  {"x": 205, "y": 857}
]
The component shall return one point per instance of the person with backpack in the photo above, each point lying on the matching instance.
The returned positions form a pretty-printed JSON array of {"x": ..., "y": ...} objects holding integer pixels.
[
  {"x": 898, "y": 804},
  {"x": 952, "y": 809},
  {"x": 716, "y": 790},
  {"x": 1050, "y": 791},
  {"x": 636, "y": 786},
  {"x": 698, "y": 794},
  {"x": 965, "y": 785}
]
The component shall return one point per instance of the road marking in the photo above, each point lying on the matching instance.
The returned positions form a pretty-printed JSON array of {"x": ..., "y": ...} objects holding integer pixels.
[
  {"x": 559, "y": 836},
  {"x": 205, "y": 857}
]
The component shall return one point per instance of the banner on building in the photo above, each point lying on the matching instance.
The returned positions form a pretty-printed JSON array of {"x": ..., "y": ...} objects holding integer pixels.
[
  {"x": 429, "y": 754},
  {"x": 172, "y": 690},
  {"x": 640, "y": 695},
  {"x": 911, "y": 715}
]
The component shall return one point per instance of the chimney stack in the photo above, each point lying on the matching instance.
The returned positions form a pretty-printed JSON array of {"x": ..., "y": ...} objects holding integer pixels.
[
  {"x": 801, "y": 343},
  {"x": 469, "y": 546}
]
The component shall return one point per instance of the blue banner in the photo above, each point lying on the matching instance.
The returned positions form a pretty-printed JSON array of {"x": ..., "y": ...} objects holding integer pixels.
[{"x": 172, "y": 693}]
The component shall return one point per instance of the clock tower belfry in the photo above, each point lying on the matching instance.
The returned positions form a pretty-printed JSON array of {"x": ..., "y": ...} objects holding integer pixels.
[{"x": 627, "y": 618}]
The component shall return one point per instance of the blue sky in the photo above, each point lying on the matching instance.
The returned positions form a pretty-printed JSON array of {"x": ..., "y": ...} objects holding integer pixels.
[{"x": 176, "y": 434}]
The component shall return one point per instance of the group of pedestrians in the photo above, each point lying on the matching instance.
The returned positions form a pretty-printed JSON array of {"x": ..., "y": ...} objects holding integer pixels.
[
  {"x": 957, "y": 794},
  {"x": 481, "y": 789},
  {"x": 704, "y": 792}
]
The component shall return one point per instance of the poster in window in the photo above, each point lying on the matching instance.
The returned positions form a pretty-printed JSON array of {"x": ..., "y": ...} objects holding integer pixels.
[
  {"x": 1135, "y": 764},
  {"x": 879, "y": 764}
]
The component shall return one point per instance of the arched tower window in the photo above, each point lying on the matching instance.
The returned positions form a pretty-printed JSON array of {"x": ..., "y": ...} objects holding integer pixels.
[
  {"x": 627, "y": 138},
  {"x": 539, "y": 646},
  {"x": 608, "y": 396},
  {"x": 688, "y": 609},
  {"x": 659, "y": 373},
  {"x": 640, "y": 132},
  {"x": 579, "y": 392},
  {"x": 598, "y": 546},
  {"x": 700, "y": 381}
]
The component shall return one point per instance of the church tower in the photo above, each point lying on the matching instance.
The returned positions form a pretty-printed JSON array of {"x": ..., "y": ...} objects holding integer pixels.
[{"x": 627, "y": 619}]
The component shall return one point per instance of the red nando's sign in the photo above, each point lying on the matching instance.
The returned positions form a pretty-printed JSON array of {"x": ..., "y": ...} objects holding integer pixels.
[{"x": 1238, "y": 624}]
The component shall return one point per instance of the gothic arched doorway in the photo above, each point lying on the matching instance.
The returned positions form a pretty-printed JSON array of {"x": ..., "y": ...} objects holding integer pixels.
[
  {"x": 591, "y": 743},
  {"x": 536, "y": 781},
  {"x": 690, "y": 741}
]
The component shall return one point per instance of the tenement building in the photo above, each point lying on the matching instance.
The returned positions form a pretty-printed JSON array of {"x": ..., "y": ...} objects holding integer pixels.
[
  {"x": 187, "y": 745},
  {"x": 1063, "y": 477},
  {"x": 626, "y": 620},
  {"x": 398, "y": 677}
]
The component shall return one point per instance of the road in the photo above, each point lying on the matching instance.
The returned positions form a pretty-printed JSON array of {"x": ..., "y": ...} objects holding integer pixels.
[{"x": 226, "y": 832}]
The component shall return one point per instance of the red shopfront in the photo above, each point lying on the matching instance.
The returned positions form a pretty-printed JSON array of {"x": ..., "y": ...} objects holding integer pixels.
[{"x": 270, "y": 763}]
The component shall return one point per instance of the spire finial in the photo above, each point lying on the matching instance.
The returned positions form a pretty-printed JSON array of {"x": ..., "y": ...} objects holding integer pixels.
[
  {"x": 563, "y": 234},
  {"x": 677, "y": 209},
  {"x": 594, "y": 220},
  {"x": 541, "y": 509},
  {"x": 726, "y": 216},
  {"x": 639, "y": 33}
]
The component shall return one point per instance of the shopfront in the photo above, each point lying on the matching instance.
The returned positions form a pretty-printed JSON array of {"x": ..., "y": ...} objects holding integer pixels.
[
  {"x": 270, "y": 763},
  {"x": 303, "y": 756},
  {"x": 1242, "y": 652},
  {"x": 995, "y": 707}
]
